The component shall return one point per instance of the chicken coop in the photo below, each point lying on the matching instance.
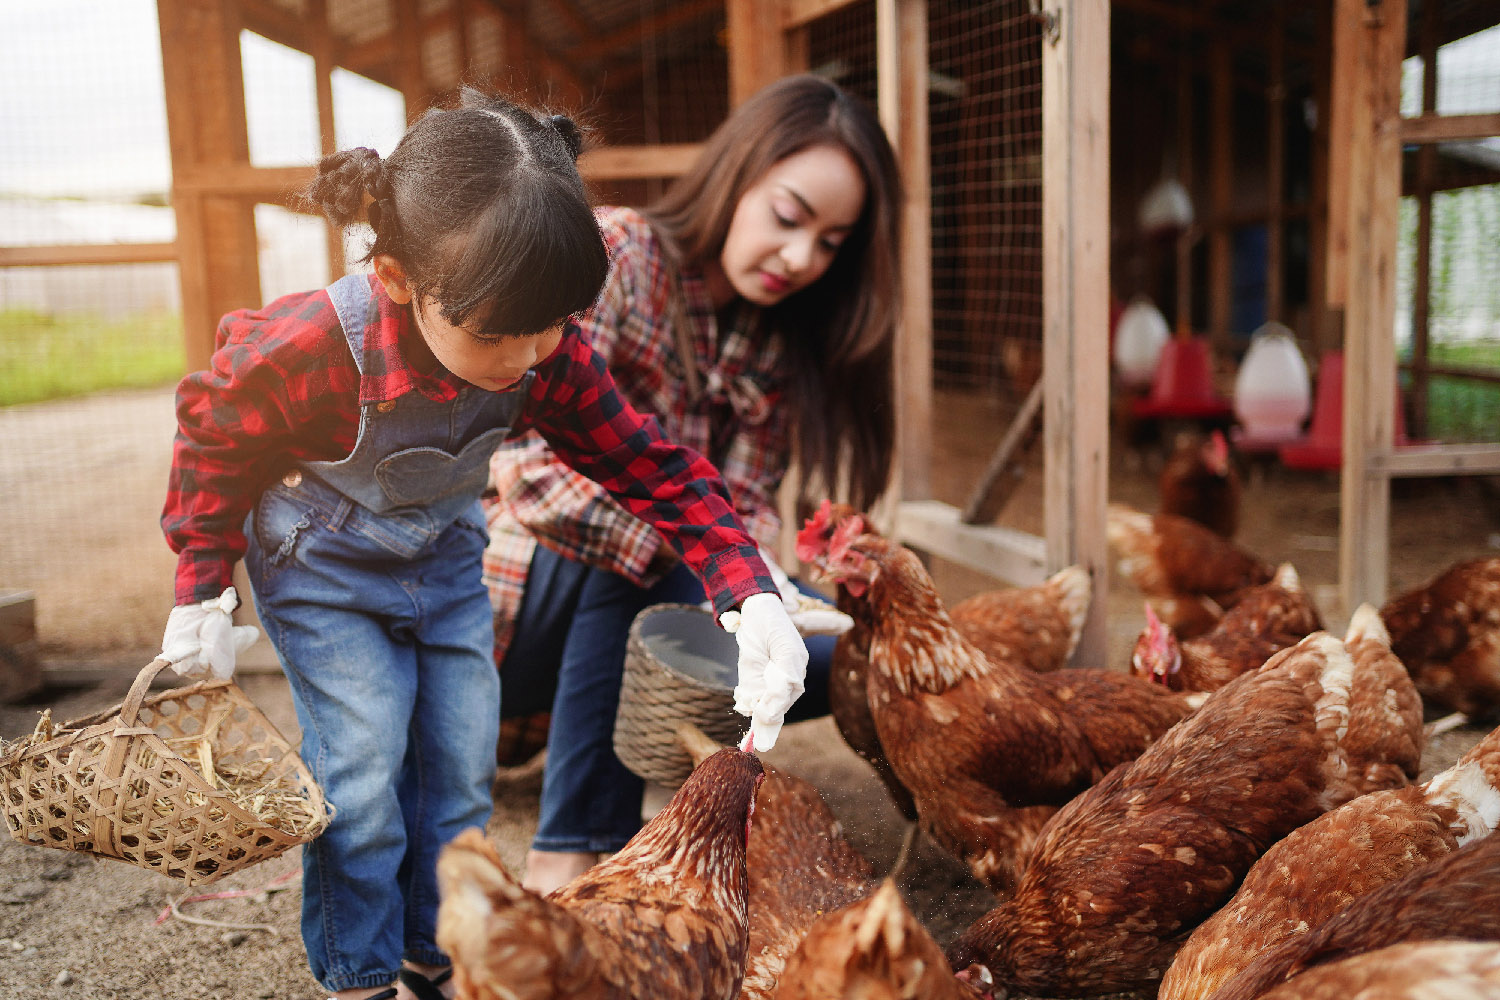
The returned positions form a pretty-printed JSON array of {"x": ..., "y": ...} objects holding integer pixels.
[{"x": 1028, "y": 133}]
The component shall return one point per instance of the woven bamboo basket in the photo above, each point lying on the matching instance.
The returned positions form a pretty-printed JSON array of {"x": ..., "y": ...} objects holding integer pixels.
[
  {"x": 679, "y": 666},
  {"x": 194, "y": 783}
]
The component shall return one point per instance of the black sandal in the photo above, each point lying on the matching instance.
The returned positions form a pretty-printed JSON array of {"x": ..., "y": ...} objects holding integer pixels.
[
  {"x": 385, "y": 994},
  {"x": 422, "y": 987}
]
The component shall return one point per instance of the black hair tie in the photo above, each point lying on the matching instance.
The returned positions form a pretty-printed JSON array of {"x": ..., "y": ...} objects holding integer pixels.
[{"x": 568, "y": 130}]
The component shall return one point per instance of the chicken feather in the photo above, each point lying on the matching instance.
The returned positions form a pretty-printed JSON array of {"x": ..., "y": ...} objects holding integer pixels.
[
  {"x": 665, "y": 917},
  {"x": 988, "y": 749},
  {"x": 1127, "y": 869}
]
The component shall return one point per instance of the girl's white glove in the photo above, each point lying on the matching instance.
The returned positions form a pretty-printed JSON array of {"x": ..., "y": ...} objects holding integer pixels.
[
  {"x": 202, "y": 638},
  {"x": 810, "y": 615},
  {"x": 772, "y": 667}
]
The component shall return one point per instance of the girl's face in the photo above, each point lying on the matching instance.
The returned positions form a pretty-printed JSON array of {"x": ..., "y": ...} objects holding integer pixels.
[
  {"x": 493, "y": 364},
  {"x": 788, "y": 227}
]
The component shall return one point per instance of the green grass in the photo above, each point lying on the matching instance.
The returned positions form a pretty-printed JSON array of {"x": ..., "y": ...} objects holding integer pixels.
[
  {"x": 1460, "y": 409},
  {"x": 43, "y": 356}
]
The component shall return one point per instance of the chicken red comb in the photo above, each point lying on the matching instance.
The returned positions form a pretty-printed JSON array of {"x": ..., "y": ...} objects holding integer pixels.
[
  {"x": 848, "y": 530},
  {"x": 812, "y": 540},
  {"x": 1153, "y": 623}
]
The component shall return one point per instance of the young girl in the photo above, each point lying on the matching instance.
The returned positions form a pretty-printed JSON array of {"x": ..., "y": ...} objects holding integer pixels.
[
  {"x": 753, "y": 305},
  {"x": 341, "y": 441}
]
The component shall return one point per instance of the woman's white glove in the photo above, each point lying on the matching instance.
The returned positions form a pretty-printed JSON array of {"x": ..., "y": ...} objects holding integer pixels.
[
  {"x": 772, "y": 668},
  {"x": 202, "y": 638}
]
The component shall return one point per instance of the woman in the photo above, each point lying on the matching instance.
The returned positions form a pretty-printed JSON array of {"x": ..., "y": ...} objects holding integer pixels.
[{"x": 752, "y": 307}]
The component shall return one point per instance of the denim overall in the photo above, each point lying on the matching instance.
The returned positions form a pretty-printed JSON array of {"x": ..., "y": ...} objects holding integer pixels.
[{"x": 366, "y": 575}]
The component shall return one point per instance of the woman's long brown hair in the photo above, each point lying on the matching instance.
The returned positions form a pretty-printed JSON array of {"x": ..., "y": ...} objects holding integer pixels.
[{"x": 840, "y": 331}]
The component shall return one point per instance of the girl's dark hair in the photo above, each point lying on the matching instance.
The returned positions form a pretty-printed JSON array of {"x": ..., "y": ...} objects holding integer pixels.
[
  {"x": 483, "y": 207},
  {"x": 840, "y": 331}
]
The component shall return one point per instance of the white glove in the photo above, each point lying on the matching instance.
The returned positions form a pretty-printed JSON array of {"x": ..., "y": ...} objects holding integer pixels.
[
  {"x": 772, "y": 668},
  {"x": 810, "y": 615},
  {"x": 202, "y": 638}
]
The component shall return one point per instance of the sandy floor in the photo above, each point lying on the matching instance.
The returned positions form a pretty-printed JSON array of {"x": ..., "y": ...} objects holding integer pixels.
[{"x": 70, "y": 926}]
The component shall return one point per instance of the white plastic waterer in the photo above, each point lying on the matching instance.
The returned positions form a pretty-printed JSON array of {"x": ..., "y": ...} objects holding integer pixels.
[
  {"x": 1139, "y": 336},
  {"x": 1272, "y": 391}
]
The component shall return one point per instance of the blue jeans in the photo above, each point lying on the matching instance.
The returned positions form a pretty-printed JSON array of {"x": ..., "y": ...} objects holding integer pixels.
[
  {"x": 391, "y": 667},
  {"x": 572, "y": 631}
]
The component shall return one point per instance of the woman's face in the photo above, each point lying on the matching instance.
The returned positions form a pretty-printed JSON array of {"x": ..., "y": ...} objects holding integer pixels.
[{"x": 788, "y": 226}]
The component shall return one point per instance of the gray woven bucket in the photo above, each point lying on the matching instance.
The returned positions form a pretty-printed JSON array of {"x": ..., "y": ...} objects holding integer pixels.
[{"x": 679, "y": 666}]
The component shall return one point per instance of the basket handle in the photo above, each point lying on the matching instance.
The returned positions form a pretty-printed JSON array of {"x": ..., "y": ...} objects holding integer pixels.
[{"x": 131, "y": 706}]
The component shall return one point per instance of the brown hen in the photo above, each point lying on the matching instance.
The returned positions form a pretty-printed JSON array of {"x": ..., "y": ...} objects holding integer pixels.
[
  {"x": 1129, "y": 867},
  {"x": 1456, "y": 896},
  {"x": 1425, "y": 970},
  {"x": 799, "y": 864},
  {"x": 1447, "y": 632},
  {"x": 1190, "y": 575},
  {"x": 1320, "y": 868},
  {"x": 1200, "y": 482},
  {"x": 1034, "y": 627},
  {"x": 663, "y": 918},
  {"x": 1268, "y": 618},
  {"x": 872, "y": 950},
  {"x": 988, "y": 749}
]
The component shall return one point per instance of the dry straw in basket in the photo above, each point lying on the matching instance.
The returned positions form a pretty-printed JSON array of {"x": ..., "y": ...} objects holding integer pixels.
[{"x": 194, "y": 782}]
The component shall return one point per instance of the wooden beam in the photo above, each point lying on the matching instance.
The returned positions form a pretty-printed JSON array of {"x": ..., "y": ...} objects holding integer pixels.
[
  {"x": 1430, "y": 127},
  {"x": 1005, "y": 553},
  {"x": 1455, "y": 371},
  {"x": 666, "y": 20},
  {"x": 274, "y": 185},
  {"x": 87, "y": 253},
  {"x": 1075, "y": 299},
  {"x": 1372, "y": 133},
  {"x": 1439, "y": 460},
  {"x": 615, "y": 163},
  {"x": 280, "y": 25},
  {"x": 796, "y": 13},
  {"x": 1004, "y": 470}
]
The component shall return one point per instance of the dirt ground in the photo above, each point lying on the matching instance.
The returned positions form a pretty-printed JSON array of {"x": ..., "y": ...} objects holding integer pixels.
[{"x": 71, "y": 926}]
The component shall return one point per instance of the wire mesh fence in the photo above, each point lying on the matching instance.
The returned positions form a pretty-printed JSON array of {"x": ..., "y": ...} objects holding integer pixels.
[{"x": 90, "y": 351}]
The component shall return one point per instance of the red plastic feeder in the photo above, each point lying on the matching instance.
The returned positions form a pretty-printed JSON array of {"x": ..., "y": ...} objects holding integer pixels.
[
  {"x": 1183, "y": 387},
  {"x": 1323, "y": 446}
]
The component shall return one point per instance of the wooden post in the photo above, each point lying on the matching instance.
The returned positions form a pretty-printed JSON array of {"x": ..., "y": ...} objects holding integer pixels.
[
  {"x": 322, "y": 53},
  {"x": 1371, "y": 76},
  {"x": 1318, "y": 208},
  {"x": 756, "y": 48},
  {"x": 1075, "y": 296},
  {"x": 1185, "y": 240},
  {"x": 205, "y": 100},
  {"x": 1276, "y": 164},
  {"x": 1421, "y": 306},
  {"x": 1221, "y": 190},
  {"x": 409, "y": 72},
  {"x": 901, "y": 60}
]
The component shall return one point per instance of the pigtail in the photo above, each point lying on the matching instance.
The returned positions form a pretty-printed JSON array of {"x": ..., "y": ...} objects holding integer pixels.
[{"x": 350, "y": 183}]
